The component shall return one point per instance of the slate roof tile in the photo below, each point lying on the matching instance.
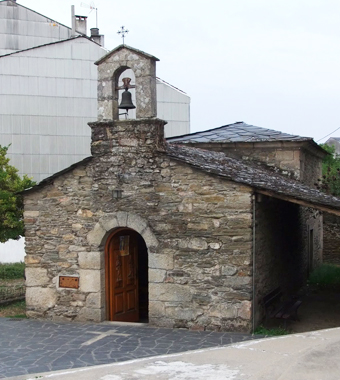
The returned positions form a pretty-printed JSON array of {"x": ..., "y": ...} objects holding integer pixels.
[
  {"x": 236, "y": 170},
  {"x": 250, "y": 174},
  {"x": 236, "y": 132}
]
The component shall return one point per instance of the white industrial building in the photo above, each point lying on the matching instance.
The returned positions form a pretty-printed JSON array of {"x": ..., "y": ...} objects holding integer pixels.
[
  {"x": 48, "y": 94},
  {"x": 48, "y": 91}
]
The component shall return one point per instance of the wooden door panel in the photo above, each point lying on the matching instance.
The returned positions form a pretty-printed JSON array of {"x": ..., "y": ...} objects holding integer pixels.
[
  {"x": 130, "y": 275},
  {"x": 119, "y": 303},
  {"x": 131, "y": 300},
  {"x": 117, "y": 270},
  {"x": 122, "y": 281}
]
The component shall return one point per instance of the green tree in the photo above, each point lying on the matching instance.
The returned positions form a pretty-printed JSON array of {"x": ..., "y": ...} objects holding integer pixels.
[
  {"x": 11, "y": 203},
  {"x": 330, "y": 181}
]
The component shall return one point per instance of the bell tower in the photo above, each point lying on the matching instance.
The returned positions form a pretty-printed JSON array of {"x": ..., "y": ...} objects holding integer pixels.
[
  {"x": 111, "y": 66},
  {"x": 143, "y": 135}
]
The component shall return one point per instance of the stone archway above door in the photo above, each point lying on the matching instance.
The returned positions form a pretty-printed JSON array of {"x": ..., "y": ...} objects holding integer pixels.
[{"x": 98, "y": 235}]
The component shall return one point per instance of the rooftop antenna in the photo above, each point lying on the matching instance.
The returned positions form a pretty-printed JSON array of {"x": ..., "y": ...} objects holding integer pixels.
[
  {"x": 123, "y": 31},
  {"x": 92, "y": 7}
]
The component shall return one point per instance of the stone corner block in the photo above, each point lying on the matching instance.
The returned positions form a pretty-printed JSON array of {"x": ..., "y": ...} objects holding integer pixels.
[
  {"x": 95, "y": 300},
  {"x": 156, "y": 275},
  {"x": 90, "y": 314},
  {"x": 122, "y": 218},
  {"x": 91, "y": 260},
  {"x": 42, "y": 298},
  {"x": 161, "y": 261},
  {"x": 137, "y": 223},
  {"x": 109, "y": 222},
  {"x": 36, "y": 276},
  {"x": 95, "y": 236},
  {"x": 90, "y": 280},
  {"x": 156, "y": 309},
  {"x": 149, "y": 238}
]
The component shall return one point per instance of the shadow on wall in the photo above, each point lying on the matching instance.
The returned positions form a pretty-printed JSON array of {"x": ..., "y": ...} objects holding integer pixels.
[{"x": 13, "y": 251}]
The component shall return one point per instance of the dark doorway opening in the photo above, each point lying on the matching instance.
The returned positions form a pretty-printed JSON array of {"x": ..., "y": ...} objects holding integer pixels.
[{"x": 143, "y": 280}]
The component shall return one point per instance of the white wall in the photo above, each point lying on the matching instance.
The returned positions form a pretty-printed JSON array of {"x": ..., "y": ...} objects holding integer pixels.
[
  {"x": 22, "y": 28},
  {"x": 47, "y": 97},
  {"x": 13, "y": 251}
]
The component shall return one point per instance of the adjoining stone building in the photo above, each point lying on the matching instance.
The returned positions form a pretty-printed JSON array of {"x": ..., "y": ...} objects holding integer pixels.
[
  {"x": 180, "y": 236},
  {"x": 331, "y": 223}
]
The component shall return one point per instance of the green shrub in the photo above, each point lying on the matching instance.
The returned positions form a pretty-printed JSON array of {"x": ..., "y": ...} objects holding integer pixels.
[
  {"x": 326, "y": 275},
  {"x": 12, "y": 271},
  {"x": 270, "y": 332}
]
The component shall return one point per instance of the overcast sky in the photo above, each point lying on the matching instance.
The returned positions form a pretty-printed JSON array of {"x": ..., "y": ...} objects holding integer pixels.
[{"x": 270, "y": 63}]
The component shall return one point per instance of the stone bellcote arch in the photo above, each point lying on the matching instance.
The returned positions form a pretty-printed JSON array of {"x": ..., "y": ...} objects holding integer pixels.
[
  {"x": 111, "y": 66},
  {"x": 106, "y": 224}
]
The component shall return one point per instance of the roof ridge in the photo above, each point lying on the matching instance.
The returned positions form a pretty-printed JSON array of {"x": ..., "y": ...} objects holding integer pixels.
[
  {"x": 207, "y": 130},
  {"x": 49, "y": 43},
  {"x": 237, "y": 132}
]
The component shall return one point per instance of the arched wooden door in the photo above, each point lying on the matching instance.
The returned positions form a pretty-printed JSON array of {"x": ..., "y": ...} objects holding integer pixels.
[{"x": 122, "y": 296}]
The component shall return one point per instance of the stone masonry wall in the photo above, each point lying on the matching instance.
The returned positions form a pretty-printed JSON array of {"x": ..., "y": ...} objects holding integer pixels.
[
  {"x": 198, "y": 229},
  {"x": 311, "y": 168},
  {"x": 331, "y": 239},
  {"x": 283, "y": 158},
  {"x": 288, "y": 158}
]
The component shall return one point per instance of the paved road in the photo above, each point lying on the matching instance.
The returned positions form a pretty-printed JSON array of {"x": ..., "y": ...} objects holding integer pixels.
[
  {"x": 307, "y": 356},
  {"x": 31, "y": 346}
]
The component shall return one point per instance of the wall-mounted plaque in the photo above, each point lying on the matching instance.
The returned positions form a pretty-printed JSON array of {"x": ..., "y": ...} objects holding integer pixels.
[
  {"x": 68, "y": 282},
  {"x": 124, "y": 245}
]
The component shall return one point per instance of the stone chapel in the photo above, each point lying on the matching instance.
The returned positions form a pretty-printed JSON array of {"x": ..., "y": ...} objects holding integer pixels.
[{"x": 165, "y": 232}]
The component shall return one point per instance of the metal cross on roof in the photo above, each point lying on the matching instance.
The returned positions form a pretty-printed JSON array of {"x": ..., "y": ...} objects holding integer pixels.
[{"x": 123, "y": 31}]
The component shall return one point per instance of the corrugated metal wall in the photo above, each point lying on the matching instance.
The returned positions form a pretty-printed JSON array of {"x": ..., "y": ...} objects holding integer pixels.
[
  {"x": 173, "y": 106},
  {"x": 22, "y": 28},
  {"x": 47, "y": 97},
  {"x": 49, "y": 94}
]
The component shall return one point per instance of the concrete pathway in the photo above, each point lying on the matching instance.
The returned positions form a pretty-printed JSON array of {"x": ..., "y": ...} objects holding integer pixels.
[
  {"x": 31, "y": 346},
  {"x": 306, "y": 356}
]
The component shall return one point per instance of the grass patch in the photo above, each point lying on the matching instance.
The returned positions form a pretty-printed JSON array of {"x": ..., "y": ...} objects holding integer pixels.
[
  {"x": 14, "y": 310},
  {"x": 271, "y": 332},
  {"x": 12, "y": 271},
  {"x": 18, "y": 316},
  {"x": 325, "y": 276}
]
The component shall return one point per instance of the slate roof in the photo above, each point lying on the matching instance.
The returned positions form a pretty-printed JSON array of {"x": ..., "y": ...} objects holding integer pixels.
[
  {"x": 50, "y": 179},
  {"x": 249, "y": 174},
  {"x": 236, "y": 132},
  {"x": 236, "y": 170}
]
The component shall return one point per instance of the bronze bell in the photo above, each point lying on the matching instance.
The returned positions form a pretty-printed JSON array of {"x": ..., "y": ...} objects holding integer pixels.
[{"x": 126, "y": 102}]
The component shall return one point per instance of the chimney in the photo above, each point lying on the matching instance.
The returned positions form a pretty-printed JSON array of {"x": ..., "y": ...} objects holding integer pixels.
[
  {"x": 96, "y": 37},
  {"x": 73, "y": 21},
  {"x": 81, "y": 24}
]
